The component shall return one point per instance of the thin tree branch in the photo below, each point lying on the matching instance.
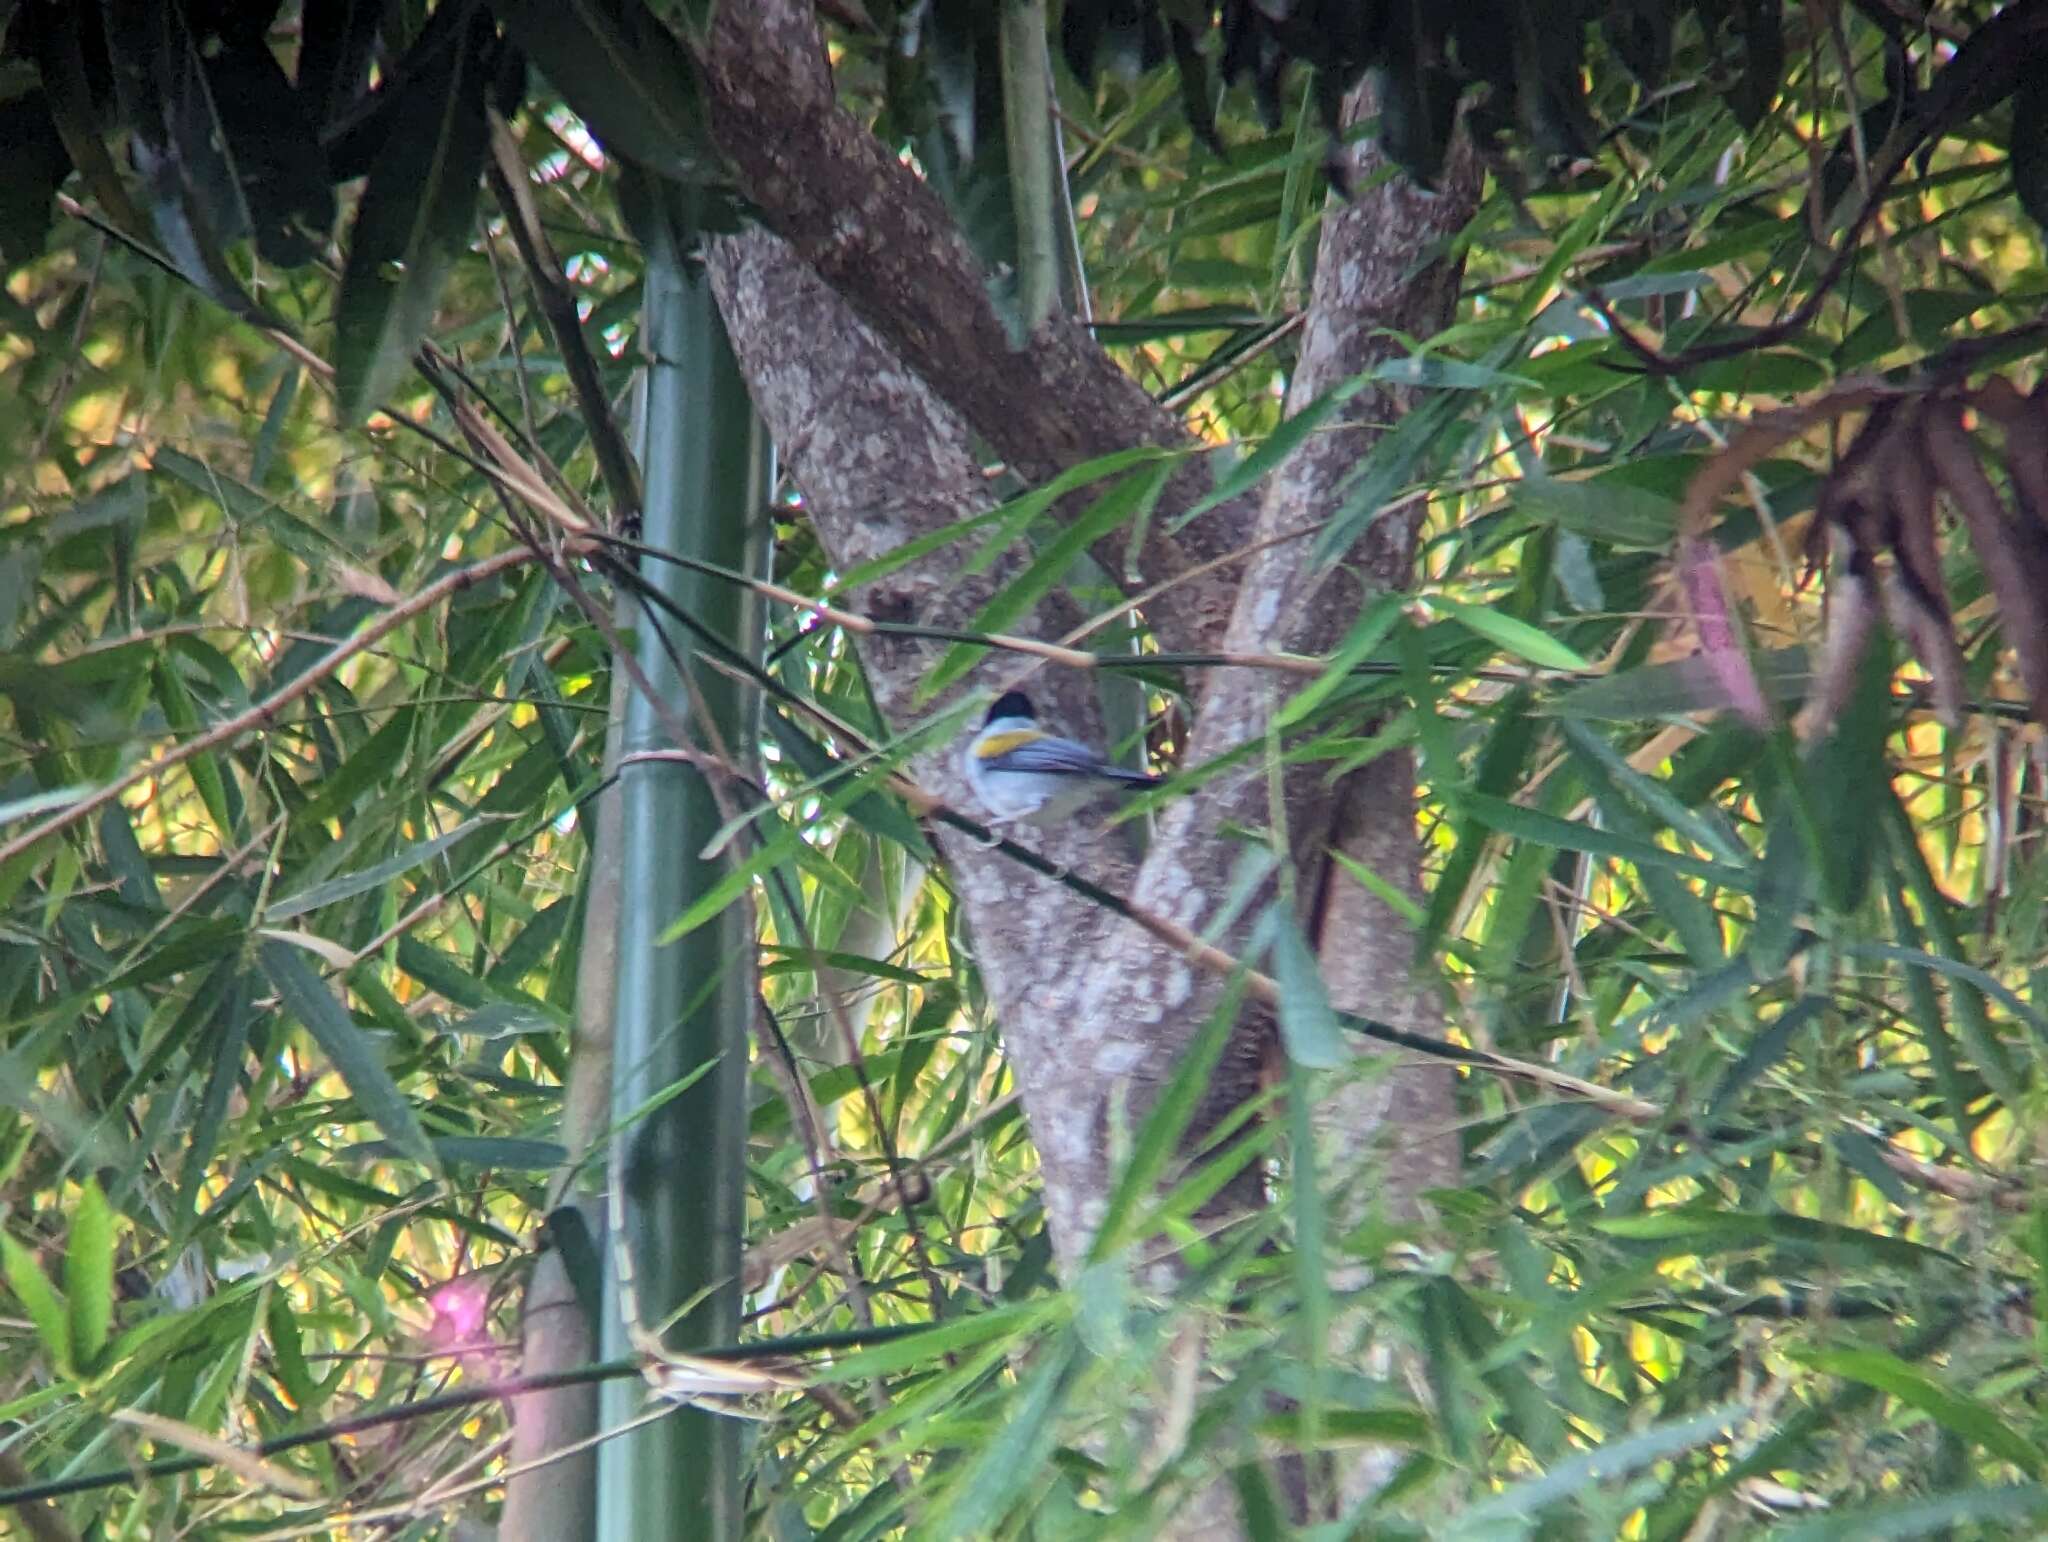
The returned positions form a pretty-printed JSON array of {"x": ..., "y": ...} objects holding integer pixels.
[
  {"x": 509, "y": 184},
  {"x": 264, "y": 713},
  {"x": 1984, "y": 70}
]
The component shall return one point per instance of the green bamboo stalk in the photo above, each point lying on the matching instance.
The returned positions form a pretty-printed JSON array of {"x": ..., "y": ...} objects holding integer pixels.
[
  {"x": 557, "y": 1501},
  {"x": 705, "y": 469},
  {"x": 1027, "y": 119}
]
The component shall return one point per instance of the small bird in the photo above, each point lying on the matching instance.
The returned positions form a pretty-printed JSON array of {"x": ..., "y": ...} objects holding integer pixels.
[{"x": 1019, "y": 771}]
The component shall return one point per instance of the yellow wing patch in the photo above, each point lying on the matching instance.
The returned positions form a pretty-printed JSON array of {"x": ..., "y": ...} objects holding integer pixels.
[{"x": 1003, "y": 743}]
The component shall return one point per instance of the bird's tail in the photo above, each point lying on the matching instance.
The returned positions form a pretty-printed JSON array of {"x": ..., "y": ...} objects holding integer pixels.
[{"x": 1131, "y": 778}]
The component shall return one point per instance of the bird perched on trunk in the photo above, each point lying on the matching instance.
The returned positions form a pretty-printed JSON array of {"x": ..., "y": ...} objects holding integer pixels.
[{"x": 1019, "y": 771}]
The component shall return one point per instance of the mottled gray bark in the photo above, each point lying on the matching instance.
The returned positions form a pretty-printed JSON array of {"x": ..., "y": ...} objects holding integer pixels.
[
  {"x": 881, "y": 461},
  {"x": 886, "y": 244},
  {"x": 872, "y": 381},
  {"x": 1142, "y": 1004}
]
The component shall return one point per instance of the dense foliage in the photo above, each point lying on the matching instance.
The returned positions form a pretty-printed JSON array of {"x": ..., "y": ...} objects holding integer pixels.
[{"x": 302, "y": 723}]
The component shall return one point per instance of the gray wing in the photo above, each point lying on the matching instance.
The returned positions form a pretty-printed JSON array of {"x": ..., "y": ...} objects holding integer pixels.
[{"x": 1051, "y": 756}]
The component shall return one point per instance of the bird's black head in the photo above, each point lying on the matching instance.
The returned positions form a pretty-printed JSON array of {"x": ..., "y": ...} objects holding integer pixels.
[{"x": 1010, "y": 704}]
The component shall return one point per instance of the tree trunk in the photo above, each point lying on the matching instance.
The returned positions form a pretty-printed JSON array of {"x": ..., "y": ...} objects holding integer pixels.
[
  {"x": 863, "y": 328},
  {"x": 1093, "y": 1008}
]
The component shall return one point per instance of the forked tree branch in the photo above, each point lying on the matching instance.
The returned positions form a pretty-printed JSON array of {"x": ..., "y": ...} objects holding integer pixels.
[{"x": 883, "y": 239}]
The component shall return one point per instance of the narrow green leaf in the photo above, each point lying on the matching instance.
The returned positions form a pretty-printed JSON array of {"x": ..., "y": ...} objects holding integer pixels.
[
  {"x": 1311, "y": 1325},
  {"x": 1131, "y": 500},
  {"x": 1503, "y": 758},
  {"x": 1426, "y": 369},
  {"x": 1388, "y": 467},
  {"x": 1956, "y": 969},
  {"x": 1274, "y": 449},
  {"x": 1351, "y": 1426},
  {"x": 1016, "y": 1458},
  {"x": 539, "y": 1156},
  {"x": 223, "y": 1074},
  {"x": 125, "y": 502},
  {"x": 288, "y": 1355},
  {"x": 1307, "y": 1025},
  {"x": 1924, "y": 1006},
  {"x": 1957, "y": 1412},
  {"x": 1765, "y": 1051},
  {"x": 31, "y": 804},
  {"x": 183, "y": 716},
  {"x": 319, "y": 894},
  {"x": 414, "y": 218},
  {"x": 1937, "y": 913},
  {"x": 1601, "y": 509},
  {"x": 786, "y": 839},
  {"x": 1654, "y": 795},
  {"x": 1707, "y": 1232},
  {"x": 1612, "y": 1459},
  {"x": 1159, "y": 1137},
  {"x": 40, "y": 1300},
  {"x": 510, "y": 1020},
  {"x": 275, "y": 150},
  {"x": 1845, "y": 776},
  {"x": 1366, "y": 634},
  {"x": 1264, "y": 1516},
  {"x": 876, "y": 812},
  {"x": 1510, "y": 634},
  {"x": 1897, "y": 1519},
  {"x": 306, "y": 996},
  {"x": 1402, "y": 904},
  {"x": 2030, "y": 146},
  {"x": 89, "y": 1275},
  {"x": 181, "y": 148},
  {"x": 1568, "y": 835},
  {"x": 1011, "y": 516},
  {"x": 1865, "y": 1157},
  {"x": 1016, "y": 1324},
  {"x": 625, "y": 74},
  {"x": 61, "y": 42}
]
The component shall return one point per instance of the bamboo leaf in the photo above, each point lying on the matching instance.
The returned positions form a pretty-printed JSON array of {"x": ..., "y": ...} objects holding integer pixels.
[
  {"x": 1130, "y": 501},
  {"x": 413, "y": 220},
  {"x": 625, "y": 74},
  {"x": 1708, "y": 1232},
  {"x": 1601, "y": 509},
  {"x": 316, "y": 895},
  {"x": 1934, "y": 1515},
  {"x": 1682, "y": 686},
  {"x": 1510, "y": 634},
  {"x": 1009, "y": 519},
  {"x": 354, "y": 1054},
  {"x": 1957, "y": 1412},
  {"x": 1016, "y": 1457},
  {"x": 1610, "y": 1460},
  {"x": 453, "y": 1151},
  {"x": 1569, "y": 835},
  {"x": 1307, "y": 1025},
  {"x": 89, "y": 1276},
  {"x": 45, "y": 1308},
  {"x": 1366, "y": 634},
  {"x": 1275, "y": 448},
  {"x": 1159, "y": 1137}
]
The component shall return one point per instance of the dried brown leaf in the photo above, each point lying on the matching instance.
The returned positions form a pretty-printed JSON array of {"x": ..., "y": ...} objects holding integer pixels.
[
  {"x": 1916, "y": 593},
  {"x": 2015, "y": 564},
  {"x": 2024, "y": 423},
  {"x": 1852, "y": 618}
]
